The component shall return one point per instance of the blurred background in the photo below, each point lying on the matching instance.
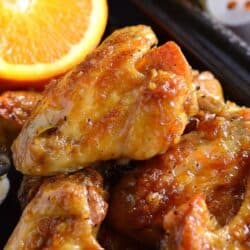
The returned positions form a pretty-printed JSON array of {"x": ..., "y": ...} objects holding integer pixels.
[{"x": 235, "y": 14}]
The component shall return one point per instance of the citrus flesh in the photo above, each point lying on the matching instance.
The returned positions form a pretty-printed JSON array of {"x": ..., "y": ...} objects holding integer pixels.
[{"x": 41, "y": 39}]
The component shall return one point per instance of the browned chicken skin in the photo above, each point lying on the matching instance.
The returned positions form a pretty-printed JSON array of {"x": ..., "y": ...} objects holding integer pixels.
[
  {"x": 211, "y": 163},
  {"x": 65, "y": 213},
  {"x": 123, "y": 96},
  {"x": 17, "y": 106}
]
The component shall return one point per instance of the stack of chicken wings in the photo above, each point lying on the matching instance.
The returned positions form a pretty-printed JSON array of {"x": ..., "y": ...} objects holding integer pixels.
[{"x": 181, "y": 151}]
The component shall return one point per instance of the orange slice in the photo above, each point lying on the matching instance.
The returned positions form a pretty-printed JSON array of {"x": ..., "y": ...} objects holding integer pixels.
[{"x": 41, "y": 39}]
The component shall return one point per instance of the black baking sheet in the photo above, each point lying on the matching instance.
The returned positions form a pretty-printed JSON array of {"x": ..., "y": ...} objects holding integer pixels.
[{"x": 214, "y": 47}]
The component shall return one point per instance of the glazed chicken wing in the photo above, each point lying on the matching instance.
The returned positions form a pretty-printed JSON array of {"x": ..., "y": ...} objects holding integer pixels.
[
  {"x": 64, "y": 214},
  {"x": 203, "y": 176},
  {"x": 191, "y": 226},
  {"x": 125, "y": 101}
]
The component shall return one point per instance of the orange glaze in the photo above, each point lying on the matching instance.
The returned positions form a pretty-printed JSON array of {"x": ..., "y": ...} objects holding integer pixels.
[
  {"x": 16, "y": 106},
  {"x": 65, "y": 213},
  {"x": 210, "y": 162}
]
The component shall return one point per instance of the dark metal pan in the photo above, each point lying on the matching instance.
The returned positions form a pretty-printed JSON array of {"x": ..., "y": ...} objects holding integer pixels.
[{"x": 217, "y": 48}]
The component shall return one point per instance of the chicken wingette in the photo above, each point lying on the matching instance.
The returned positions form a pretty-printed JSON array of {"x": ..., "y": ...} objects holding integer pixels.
[
  {"x": 125, "y": 101},
  {"x": 65, "y": 213}
]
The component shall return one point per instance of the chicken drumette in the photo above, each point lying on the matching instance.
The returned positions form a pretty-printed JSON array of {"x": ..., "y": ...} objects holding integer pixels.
[{"x": 125, "y": 100}]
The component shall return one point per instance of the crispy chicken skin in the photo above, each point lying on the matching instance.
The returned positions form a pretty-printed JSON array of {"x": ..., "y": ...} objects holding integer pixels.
[
  {"x": 65, "y": 214},
  {"x": 191, "y": 226},
  {"x": 16, "y": 106},
  {"x": 124, "y": 101},
  {"x": 204, "y": 175}
]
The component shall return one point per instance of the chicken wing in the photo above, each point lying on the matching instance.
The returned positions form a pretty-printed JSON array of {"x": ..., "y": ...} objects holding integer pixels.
[
  {"x": 65, "y": 214},
  {"x": 211, "y": 162},
  {"x": 15, "y": 107},
  {"x": 123, "y": 96}
]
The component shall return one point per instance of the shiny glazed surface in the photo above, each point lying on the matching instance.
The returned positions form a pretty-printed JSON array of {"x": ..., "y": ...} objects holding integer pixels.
[
  {"x": 123, "y": 96},
  {"x": 196, "y": 190},
  {"x": 65, "y": 213}
]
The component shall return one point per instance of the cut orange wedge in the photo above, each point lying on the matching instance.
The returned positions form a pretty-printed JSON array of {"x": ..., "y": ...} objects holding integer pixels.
[{"x": 41, "y": 39}]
